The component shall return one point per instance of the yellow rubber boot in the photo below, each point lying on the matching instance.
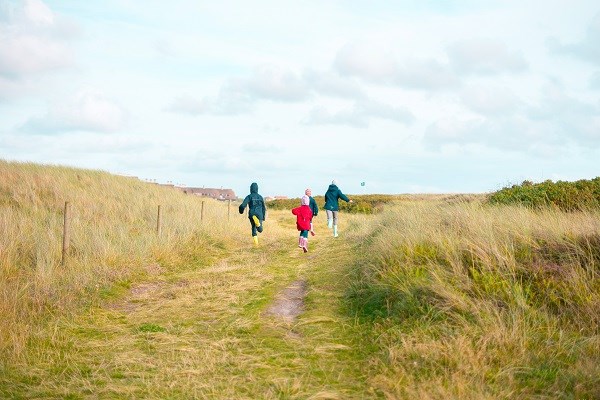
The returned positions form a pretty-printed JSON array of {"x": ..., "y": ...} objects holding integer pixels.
[
  {"x": 256, "y": 221},
  {"x": 255, "y": 238}
]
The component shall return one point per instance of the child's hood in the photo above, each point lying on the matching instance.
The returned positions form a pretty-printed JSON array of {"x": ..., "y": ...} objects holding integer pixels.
[{"x": 254, "y": 187}]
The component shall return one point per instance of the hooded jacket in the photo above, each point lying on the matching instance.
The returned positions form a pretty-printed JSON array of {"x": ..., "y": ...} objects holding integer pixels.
[
  {"x": 303, "y": 215},
  {"x": 331, "y": 198},
  {"x": 255, "y": 203},
  {"x": 313, "y": 206}
]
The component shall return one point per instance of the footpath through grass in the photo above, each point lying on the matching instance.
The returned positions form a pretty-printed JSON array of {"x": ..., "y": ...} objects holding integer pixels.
[
  {"x": 199, "y": 330},
  {"x": 426, "y": 300}
]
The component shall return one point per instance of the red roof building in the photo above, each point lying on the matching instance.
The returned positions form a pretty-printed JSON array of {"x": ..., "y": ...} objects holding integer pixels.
[{"x": 219, "y": 194}]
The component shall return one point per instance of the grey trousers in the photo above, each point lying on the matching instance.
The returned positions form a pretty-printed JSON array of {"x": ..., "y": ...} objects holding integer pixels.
[{"x": 332, "y": 214}]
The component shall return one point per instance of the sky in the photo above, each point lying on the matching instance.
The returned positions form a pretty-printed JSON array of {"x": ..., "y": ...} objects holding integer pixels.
[{"x": 420, "y": 96}]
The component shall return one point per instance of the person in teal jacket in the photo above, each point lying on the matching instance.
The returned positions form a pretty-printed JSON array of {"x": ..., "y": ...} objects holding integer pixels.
[
  {"x": 313, "y": 207},
  {"x": 332, "y": 206},
  {"x": 257, "y": 211}
]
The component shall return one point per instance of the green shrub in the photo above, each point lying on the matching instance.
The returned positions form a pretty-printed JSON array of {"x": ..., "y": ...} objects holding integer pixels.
[
  {"x": 568, "y": 196},
  {"x": 361, "y": 204}
]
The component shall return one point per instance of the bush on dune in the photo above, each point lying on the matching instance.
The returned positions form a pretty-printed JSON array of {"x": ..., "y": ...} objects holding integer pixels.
[{"x": 568, "y": 196}]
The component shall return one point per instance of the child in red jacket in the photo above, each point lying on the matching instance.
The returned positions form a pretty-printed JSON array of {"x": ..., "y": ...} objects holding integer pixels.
[{"x": 303, "y": 217}]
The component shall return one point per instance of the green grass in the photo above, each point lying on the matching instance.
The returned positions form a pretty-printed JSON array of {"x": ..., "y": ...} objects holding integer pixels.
[
  {"x": 503, "y": 305},
  {"x": 113, "y": 241},
  {"x": 432, "y": 297},
  {"x": 201, "y": 332}
]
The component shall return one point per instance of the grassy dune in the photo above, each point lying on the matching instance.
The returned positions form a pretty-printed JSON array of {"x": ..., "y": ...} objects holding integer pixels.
[
  {"x": 113, "y": 239},
  {"x": 432, "y": 297},
  {"x": 472, "y": 301}
]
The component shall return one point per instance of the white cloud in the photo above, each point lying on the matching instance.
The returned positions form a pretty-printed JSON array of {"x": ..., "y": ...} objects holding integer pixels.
[
  {"x": 368, "y": 61},
  {"x": 88, "y": 111},
  {"x": 231, "y": 100},
  {"x": 164, "y": 48},
  {"x": 516, "y": 134},
  {"x": 511, "y": 134},
  {"x": 426, "y": 74},
  {"x": 239, "y": 95},
  {"x": 595, "y": 81},
  {"x": 375, "y": 63},
  {"x": 261, "y": 148},
  {"x": 587, "y": 48},
  {"x": 24, "y": 54},
  {"x": 206, "y": 161},
  {"x": 268, "y": 83},
  {"x": 34, "y": 40},
  {"x": 360, "y": 115},
  {"x": 187, "y": 104},
  {"x": 272, "y": 83},
  {"x": 79, "y": 143},
  {"x": 451, "y": 130},
  {"x": 88, "y": 148},
  {"x": 10, "y": 88},
  {"x": 590, "y": 131},
  {"x": 375, "y": 109},
  {"x": 485, "y": 57},
  {"x": 556, "y": 104},
  {"x": 490, "y": 100},
  {"x": 332, "y": 84},
  {"x": 38, "y": 13},
  {"x": 557, "y": 118},
  {"x": 321, "y": 116}
]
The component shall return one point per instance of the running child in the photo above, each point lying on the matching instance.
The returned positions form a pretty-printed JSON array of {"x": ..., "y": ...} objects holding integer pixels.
[
  {"x": 332, "y": 207},
  {"x": 313, "y": 207},
  {"x": 303, "y": 217},
  {"x": 256, "y": 211}
]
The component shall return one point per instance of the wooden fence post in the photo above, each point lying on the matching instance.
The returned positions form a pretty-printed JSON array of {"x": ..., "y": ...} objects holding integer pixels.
[
  {"x": 158, "y": 222},
  {"x": 66, "y": 237},
  {"x": 202, "y": 212}
]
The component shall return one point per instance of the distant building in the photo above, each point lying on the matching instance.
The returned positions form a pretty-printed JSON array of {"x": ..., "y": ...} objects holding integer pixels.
[
  {"x": 271, "y": 198},
  {"x": 219, "y": 194}
]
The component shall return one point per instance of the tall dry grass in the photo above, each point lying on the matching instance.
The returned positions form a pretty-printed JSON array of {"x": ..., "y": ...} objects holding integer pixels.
[
  {"x": 474, "y": 301},
  {"x": 113, "y": 238}
]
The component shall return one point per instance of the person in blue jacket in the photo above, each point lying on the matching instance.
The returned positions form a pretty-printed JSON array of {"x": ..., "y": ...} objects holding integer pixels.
[
  {"x": 257, "y": 211},
  {"x": 332, "y": 207}
]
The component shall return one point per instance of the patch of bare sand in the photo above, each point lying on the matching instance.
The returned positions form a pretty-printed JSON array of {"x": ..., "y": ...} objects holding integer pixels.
[{"x": 289, "y": 303}]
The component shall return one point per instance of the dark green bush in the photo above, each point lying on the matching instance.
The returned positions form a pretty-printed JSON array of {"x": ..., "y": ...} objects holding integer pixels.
[{"x": 568, "y": 196}]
